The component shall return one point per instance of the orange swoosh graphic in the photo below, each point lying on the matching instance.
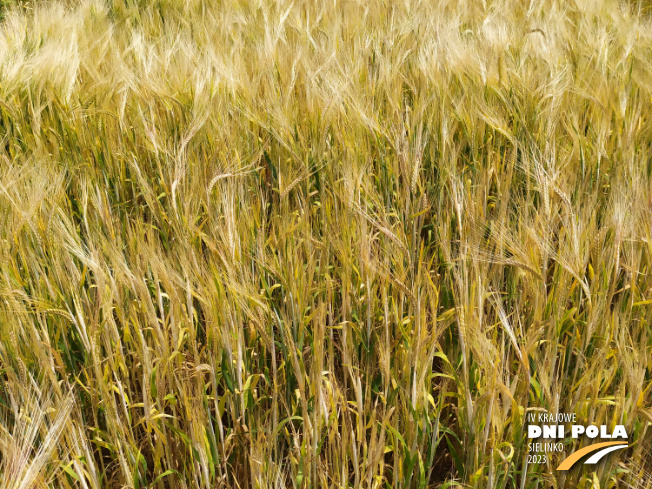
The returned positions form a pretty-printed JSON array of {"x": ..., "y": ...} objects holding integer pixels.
[{"x": 569, "y": 461}]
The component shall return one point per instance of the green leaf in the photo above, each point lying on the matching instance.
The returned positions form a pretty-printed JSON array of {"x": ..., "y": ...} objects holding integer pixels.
[
  {"x": 167, "y": 472},
  {"x": 456, "y": 459},
  {"x": 226, "y": 373}
]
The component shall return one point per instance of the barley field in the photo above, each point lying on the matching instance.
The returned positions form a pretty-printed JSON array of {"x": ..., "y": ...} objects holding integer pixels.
[{"x": 322, "y": 244}]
